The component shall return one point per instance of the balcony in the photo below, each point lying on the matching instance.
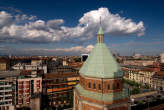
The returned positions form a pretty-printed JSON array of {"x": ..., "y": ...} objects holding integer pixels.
[
  {"x": 6, "y": 95},
  {"x": 10, "y": 90},
  {"x": 5, "y": 85},
  {"x": 7, "y": 100}
]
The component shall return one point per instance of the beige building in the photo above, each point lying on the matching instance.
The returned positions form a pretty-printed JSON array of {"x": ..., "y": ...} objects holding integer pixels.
[
  {"x": 143, "y": 76},
  {"x": 36, "y": 62}
]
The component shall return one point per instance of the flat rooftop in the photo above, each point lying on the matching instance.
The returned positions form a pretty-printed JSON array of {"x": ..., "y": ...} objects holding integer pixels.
[{"x": 4, "y": 74}]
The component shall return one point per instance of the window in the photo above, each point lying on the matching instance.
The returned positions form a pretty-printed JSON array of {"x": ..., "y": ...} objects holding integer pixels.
[
  {"x": 108, "y": 87},
  {"x": 118, "y": 85},
  {"x": 57, "y": 80},
  {"x": 94, "y": 86},
  {"x": 112, "y": 86},
  {"x": 89, "y": 85},
  {"x": 99, "y": 86}
]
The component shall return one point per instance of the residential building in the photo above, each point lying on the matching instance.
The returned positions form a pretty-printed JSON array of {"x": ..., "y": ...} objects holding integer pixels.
[
  {"x": 28, "y": 87},
  {"x": 162, "y": 67},
  {"x": 101, "y": 81},
  {"x": 60, "y": 69},
  {"x": 142, "y": 75},
  {"x": 158, "y": 81},
  {"x": 76, "y": 65},
  {"x": 58, "y": 88},
  {"x": 4, "y": 64},
  {"x": 33, "y": 67},
  {"x": 37, "y": 61},
  {"x": 162, "y": 57},
  {"x": 65, "y": 62},
  {"x": 8, "y": 93}
]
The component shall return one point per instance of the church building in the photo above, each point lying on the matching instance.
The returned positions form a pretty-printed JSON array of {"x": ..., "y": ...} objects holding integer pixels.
[{"x": 101, "y": 81}]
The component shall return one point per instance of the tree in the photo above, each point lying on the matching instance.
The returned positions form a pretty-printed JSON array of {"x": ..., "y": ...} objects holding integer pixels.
[
  {"x": 135, "y": 91},
  {"x": 77, "y": 59},
  {"x": 147, "y": 86}
]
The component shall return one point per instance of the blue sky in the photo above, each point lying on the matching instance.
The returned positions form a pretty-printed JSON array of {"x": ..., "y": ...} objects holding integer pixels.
[{"x": 68, "y": 27}]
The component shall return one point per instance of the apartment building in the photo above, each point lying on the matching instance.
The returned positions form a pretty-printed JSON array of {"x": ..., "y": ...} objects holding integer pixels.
[
  {"x": 4, "y": 64},
  {"x": 139, "y": 74},
  {"x": 33, "y": 67},
  {"x": 158, "y": 81},
  {"x": 28, "y": 87},
  {"x": 8, "y": 92},
  {"x": 58, "y": 88}
]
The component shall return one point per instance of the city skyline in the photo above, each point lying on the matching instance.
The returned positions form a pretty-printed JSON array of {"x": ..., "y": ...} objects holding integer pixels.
[{"x": 69, "y": 27}]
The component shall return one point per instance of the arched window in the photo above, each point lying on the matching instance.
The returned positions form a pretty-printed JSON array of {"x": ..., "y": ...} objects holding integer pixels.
[
  {"x": 118, "y": 85},
  {"x": 89, "y": 85},
  {"x": 108, "y": 86},
  {"x": 99, "y": 86},
  {"x": 94, "y": 86}
]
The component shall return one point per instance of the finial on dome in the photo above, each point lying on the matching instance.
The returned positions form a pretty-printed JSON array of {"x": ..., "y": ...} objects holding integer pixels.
[{"x": 100, "y": 34}]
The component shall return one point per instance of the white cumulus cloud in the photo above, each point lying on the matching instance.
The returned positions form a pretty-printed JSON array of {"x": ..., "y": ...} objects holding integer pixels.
[
  {"x": 35, "y": 30},
  {"x": 5, "y": 19},
  {"x": 111, "y": 23}
]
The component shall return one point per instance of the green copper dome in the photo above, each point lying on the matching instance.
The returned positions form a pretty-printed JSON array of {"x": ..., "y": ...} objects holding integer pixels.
[
  {"x": 100, "y": 63},
  {"x": 100, "y": 31}
]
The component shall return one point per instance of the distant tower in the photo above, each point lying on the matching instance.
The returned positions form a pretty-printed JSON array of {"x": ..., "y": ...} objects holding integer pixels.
[{"x": 101, "y": 81}]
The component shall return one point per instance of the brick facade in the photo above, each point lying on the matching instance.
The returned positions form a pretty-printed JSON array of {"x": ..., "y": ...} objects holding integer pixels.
[
  {"x": 89, "y": 107},
  {"x": 76, "y": 102},
  {"x": 109, "y": 85}
]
